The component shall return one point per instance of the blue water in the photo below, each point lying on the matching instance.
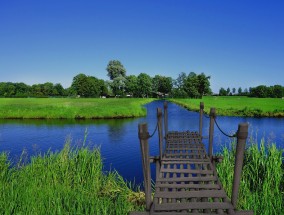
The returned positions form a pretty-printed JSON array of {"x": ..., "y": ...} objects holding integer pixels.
[{"x": 118, "y": 139}]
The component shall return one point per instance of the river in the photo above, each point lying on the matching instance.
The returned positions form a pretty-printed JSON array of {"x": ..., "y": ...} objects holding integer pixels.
[{"x": 118, "y": 139}]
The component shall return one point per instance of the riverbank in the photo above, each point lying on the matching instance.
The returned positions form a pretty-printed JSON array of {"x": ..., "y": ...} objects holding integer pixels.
[
  {"x": 72, "y": 181},
  {"x": 72, "y": 108},
  {"x": 236, "y": 105},
  {"x": 262, "y": 183}
]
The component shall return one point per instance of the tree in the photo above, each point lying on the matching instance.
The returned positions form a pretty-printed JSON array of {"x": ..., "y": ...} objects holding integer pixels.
[
  {"x": 222, "y": 92},
  {"x": 118, "y": 86},
  {"x": 144, "y": 85},
  {"x": 131, "y": 85},
  {"x": 228, "y": 91},
  {"x": 58, "y": 90},
  {"x": 115, "y": 69},
  {"x": 162, "y": 84},
  {"x": 203, "y": 85},
  {"x": 234, "y": 90},
  {"x": 240, "y": 91}
]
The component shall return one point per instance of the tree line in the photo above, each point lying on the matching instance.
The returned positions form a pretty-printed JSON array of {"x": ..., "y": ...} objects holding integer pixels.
[
  {"x": 120, "y": 84},
  {"x": 261, "y": 91}
]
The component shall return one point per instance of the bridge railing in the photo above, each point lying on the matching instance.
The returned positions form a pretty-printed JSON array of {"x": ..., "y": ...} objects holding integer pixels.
[{"x": 143, "y": 134}]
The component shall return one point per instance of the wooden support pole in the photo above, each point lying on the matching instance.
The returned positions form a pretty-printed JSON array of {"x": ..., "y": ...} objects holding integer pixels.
[
  {"x": 201, "y": 118},
  {"x": 160, "y": 130},
  {"x": 211, "y": 131},
  {"x": 143, "y": 135},
  {"x": 242, "y": 135},
  {"x": 166, "y": 118}
]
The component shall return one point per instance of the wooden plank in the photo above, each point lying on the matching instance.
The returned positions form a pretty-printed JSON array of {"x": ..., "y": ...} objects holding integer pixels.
[
  {"x": 185, "y": 162},
  {"x": 191, "y": 178},
  {"x": 189, "y": 171},
  {"x": 191, "y": 194},
  {"x": 188, "y": 186},
  {"x": 193, "y": 205}
]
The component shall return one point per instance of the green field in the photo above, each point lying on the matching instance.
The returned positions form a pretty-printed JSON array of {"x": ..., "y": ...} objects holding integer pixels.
[
  {"x": 71, "y": 108},
  {"x": 237, "y": 105}
]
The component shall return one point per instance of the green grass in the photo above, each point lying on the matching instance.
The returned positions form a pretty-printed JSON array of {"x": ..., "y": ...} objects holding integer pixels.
[
  {"x": 71, "y": 108},
  {"x": 67, "y": 182},
  {"x": 237, "y": 105},
  {"x": 262, "y": 183}
]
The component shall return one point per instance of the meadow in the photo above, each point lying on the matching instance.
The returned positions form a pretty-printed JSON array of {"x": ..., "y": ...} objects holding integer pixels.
[
  {"x": 71, "y": 108},
  {"x": 236, "y": 105}
]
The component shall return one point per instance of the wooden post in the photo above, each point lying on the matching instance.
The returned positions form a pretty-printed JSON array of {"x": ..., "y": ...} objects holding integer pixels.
[
  {"x": 160, "y": 130},
  {"x": 242, "y": 135},
  {"x": 211, "y": 131},
  {"x": 201, "y": 118},
  {"x": 166, "y": 118},
  {"x": 143, "y": 135}
]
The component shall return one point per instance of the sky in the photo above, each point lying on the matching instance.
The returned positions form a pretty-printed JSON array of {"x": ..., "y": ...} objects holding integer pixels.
[{"x": 239, "y": 43}]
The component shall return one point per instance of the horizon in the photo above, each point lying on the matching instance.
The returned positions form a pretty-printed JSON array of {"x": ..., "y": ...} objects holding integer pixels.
[{"x": 237, "y": 43}]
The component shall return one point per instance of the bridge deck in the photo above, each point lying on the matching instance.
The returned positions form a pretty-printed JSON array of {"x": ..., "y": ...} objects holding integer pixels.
[{"x": 187, "y": 182}]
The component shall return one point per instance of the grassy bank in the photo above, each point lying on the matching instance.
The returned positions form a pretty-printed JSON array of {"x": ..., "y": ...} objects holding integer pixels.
[
  {"x": 67, "y": 182},
  {"x": 69, "y": 108},
  {"x": 262, "y": 183},
  {"x": 237, "y": 105}
]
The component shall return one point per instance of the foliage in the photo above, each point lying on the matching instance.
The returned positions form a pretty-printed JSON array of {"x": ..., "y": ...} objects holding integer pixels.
[
  {"x": 131, "y": 85},
  {"x": 118, "y": 86},
  {"x": 115, "y": 69},
  {"x": 87, "y": 86},
  {"x": 195, "y": 86},
  {"x": 261, "y": 187},
  {"x": 67, "y": 182},
  {"x": 162, "y": 84},
  {"x": 144, "y": 85},
  {"x": 222, "y": 92},
  {"x": 71, "y": 108},
  {"x": 237, "y": 105},
  {"x": 276, "y": 91}
]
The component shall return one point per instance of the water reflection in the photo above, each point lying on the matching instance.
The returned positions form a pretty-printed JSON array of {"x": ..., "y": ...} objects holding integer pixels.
[{"x": 118, "y": 138}]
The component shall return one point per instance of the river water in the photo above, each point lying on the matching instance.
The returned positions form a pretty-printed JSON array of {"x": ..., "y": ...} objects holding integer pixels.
[{"x": 118, "y": 139}]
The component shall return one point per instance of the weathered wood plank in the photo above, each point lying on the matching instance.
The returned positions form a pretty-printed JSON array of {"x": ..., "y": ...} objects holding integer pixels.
[
  {"x": 191, "y": 194},
  {"x": 193, "y": 205}
]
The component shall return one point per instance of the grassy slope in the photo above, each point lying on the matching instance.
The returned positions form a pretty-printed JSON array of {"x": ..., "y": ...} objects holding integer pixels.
[
  {"x": 262, "y": 183},
  {"x": 52, "y": 108},
  {"x": 68, "y": 182},
  {"x": 237, "y": 105}
]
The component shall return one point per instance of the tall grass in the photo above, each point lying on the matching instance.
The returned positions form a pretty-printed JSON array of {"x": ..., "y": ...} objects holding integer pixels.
[
  {"x": 262, "y": 183},
  {"x": 237, "y": 105},
  {"x": 67, "y": 182},
  {"x": 71, "y": 108}
]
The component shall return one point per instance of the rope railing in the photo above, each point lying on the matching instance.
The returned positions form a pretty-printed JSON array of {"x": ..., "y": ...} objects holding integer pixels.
[
  {"x": 231, "y": 136},
  {"x": 154, "y": 131}
]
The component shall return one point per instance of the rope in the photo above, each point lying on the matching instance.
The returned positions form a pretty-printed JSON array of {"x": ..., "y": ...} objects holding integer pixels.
[
  {"x": 208, "y": 117},
  {"x": 154, "y": 131},
  {"x": 234, "y": 135}
]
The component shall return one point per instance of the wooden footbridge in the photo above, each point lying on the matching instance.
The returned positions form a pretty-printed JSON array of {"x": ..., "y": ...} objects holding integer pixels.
[{"x": 186, "y": 177}]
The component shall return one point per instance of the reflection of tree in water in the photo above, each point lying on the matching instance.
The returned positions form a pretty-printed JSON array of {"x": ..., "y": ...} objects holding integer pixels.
[{"x": 117, "y": 128}]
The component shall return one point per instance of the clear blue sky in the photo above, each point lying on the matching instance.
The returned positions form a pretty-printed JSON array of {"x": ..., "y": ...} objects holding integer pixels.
[{"x": 239, "y": 43}]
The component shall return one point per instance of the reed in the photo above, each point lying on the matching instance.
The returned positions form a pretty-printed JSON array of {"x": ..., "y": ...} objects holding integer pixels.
[
  {"x": 262, "y": 183},
  {"x": 67, "y": 182}
]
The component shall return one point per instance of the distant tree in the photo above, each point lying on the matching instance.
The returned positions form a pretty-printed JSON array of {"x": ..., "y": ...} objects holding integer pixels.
[
  {"x": 278, "y": 91},
  {"x": 131, "y": 85},
  {"x": 144, "y": 85},
  {"x": 115, "y": 69},
  {"x": 246, "y": 92},
  {"x": 240, "y": 91},
  {"x": 162, "y": 84},
  {"x": 222, "y": 92},
  {"x": 228, "y": 91},
  {"x": 234, "y": 90},
  {"x": 180, "y": 81},
  {"x": 203, "y": 85},
  {"x": 118, "y": 86},
  {"x": 58, "y": 90}
]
